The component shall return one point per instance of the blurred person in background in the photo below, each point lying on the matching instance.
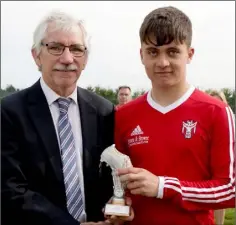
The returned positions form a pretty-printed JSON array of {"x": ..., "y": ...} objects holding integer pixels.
[
  {"x": 219, "y": 214},
  {"x": 219, "y": 95},
  {"x": 124, "y": 95}
]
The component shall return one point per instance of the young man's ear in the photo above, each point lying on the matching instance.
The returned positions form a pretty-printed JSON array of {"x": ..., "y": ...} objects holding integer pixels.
[
  {"x": 141, "y": 55},
  {"x": 191, "y": 52},
  {"x": 36, "y": 58}
]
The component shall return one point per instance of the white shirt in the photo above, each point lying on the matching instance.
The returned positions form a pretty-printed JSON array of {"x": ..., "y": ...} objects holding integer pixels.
[{"x": 74, "y": 118}]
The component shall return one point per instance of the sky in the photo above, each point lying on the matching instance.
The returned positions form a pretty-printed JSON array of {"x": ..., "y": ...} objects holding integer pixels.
[{"x": 114, "y": 29}]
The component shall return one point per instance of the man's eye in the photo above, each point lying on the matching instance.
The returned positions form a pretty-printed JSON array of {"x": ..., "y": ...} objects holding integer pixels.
[
  {"x": 76, "y": 49},
  {"x": 173, "y": 52},
  {"x": 152, "y": 53},
  {"x": 55, "y": 48}
]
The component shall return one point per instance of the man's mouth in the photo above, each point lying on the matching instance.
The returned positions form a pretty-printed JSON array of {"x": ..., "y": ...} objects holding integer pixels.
[{"x": 64, "y": 70}]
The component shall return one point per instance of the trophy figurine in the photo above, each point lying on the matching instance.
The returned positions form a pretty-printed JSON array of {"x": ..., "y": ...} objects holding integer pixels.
[{"x": 115, "y": 159}]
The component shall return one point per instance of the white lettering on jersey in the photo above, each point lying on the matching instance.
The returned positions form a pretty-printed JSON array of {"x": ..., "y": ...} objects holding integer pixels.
[{"x": 137, "y": 139}]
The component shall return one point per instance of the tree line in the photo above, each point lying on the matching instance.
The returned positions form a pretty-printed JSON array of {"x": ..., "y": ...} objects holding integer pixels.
[
  {"x": 111, "y": 94},
  {"x": 107, "y": 93}
]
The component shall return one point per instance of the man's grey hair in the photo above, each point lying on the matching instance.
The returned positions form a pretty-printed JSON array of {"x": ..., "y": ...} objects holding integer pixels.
[{"x": 62, "y": 21}]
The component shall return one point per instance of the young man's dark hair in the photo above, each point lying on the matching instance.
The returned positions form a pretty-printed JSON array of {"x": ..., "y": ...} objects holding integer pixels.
[{"x": 166, "y": 24}]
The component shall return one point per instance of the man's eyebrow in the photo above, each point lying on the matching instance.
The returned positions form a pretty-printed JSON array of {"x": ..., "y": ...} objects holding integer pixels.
[
  {"x": 157, "y": 49},
  {"x": 151, "y": 48},
  {"x": 173, "y": 48},
  {"x": 59, "y": 43}
]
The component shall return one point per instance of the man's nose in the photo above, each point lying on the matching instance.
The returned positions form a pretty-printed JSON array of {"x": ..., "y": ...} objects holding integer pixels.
[
  {"x": 162, "y": 62},
  {"x": 66, "y": 57}
]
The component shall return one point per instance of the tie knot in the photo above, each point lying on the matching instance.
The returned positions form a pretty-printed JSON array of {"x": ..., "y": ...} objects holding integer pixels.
[{"x": 64, "y": 104}]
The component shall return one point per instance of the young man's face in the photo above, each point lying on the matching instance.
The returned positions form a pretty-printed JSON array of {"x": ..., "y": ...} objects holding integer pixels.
[{"x": 166, "y": 65}]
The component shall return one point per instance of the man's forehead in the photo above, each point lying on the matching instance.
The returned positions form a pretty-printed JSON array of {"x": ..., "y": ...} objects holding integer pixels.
[
  {"x": 124, "y": 90},
  {"x": 65, "y": 37}
]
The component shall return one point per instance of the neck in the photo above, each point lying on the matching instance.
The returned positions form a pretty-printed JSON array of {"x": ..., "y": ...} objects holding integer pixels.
[
  {"x": 167, "y": 96},
  {"x": 63, "y": 91}
]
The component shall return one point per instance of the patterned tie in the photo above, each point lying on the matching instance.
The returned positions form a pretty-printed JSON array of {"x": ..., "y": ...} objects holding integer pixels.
[{"x": 68, "y": 154}]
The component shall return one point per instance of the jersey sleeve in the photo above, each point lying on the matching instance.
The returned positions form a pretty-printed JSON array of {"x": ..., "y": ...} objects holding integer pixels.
[{"x": 218, "y": 192}]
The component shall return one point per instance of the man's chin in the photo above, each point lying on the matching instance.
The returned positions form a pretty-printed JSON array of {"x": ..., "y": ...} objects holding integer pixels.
[
  {"x": 66, "y": 79},
  {"x": 66, "y": 83},
  {"x": 165, "y": 84}
]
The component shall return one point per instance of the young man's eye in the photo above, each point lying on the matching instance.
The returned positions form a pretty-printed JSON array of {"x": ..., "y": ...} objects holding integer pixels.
[
  {"x": 152, "y": 53},
  {"x": 173, "y": 52}
]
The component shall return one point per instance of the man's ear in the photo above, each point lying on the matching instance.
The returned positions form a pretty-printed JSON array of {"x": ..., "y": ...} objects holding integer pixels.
[
  {"x": 85, "y": 61},
  {"x": 191, "y": 52},
  {"x": 36, "y": 58},
  {"x": 141, "y": 55}
]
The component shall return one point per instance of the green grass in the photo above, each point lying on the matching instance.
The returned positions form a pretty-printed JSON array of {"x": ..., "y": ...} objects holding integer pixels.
[{"x": 229, "y": 217}]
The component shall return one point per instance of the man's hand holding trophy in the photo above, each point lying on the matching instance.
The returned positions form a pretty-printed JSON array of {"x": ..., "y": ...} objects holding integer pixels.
[{"x": 119, "y": 206}]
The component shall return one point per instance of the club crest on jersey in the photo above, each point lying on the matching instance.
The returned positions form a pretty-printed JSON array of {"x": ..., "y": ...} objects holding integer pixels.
[{"x": 189, "y": 128}]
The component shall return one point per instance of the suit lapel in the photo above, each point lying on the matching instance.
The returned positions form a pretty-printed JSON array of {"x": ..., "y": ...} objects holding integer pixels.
[
  {"x": 88, "y": 116},
  {"x": 40, "y": 115}
]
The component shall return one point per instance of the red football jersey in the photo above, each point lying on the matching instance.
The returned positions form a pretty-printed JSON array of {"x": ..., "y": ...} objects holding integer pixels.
[{"x": 190, "y": 146}]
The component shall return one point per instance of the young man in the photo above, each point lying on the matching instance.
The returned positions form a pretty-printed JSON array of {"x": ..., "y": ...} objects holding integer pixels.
[
  {"x": 124, "y": 95},
  {"x": 180, "y": 140}
]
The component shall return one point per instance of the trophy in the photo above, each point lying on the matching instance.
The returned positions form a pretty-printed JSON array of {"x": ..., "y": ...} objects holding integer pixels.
[{"x": 115, "y": 159}]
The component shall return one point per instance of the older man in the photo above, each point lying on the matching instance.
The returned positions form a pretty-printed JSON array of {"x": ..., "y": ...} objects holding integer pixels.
[{"x": 53, "y": 134}]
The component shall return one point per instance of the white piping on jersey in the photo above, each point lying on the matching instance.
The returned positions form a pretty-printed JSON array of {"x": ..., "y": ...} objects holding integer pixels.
[
  {"x": 173, "y": 187},
  {"x": 211, "y": 200},
  {"x": 197, "y": 196},
  {"x": 172, "y": 106}
]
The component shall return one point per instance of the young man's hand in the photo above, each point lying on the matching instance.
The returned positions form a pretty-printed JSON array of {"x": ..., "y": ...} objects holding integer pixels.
[{"x": 139, "y": 181}]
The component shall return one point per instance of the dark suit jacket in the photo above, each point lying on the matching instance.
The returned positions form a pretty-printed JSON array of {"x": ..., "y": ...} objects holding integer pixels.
[{"x": 33, "y": 189}]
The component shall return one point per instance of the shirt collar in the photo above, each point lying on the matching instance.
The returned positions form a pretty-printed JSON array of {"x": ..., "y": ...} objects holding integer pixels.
[{"x": 52, "y": 96}]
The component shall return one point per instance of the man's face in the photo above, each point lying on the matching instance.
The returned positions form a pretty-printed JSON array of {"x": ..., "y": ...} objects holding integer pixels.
[
  {"x": 61, "y": 71},
  {"x": 166, "y": 65},
  {"x": 124, "y": 96}
]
